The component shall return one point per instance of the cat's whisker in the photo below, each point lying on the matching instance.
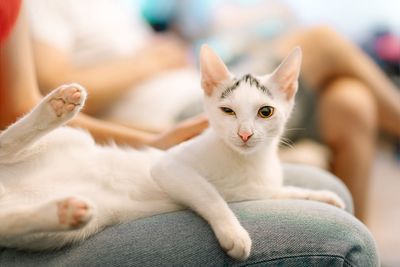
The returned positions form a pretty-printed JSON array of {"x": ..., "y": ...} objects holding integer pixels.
[
  {"x": 287, "y": 142},
  {"x": 295, "y": 129}
]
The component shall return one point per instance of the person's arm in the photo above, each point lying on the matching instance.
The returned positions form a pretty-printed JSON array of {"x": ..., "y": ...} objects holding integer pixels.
[
  {"x": 181, "y": 132},
  {"x": 19, "y": 94},
  {"x": 107, "y": 81},
  {"x": 104, "y": 132},
  {"x": 18, "y": 85}
]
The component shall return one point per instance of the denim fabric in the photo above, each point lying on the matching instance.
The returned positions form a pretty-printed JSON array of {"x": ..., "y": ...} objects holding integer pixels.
[{"x": 284, "y": 233}]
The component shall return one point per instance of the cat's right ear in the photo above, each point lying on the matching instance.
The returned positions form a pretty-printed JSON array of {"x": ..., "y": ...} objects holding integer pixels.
[
  {"x": 287, "y": 74},
  {"x": 213, "y": 70}
]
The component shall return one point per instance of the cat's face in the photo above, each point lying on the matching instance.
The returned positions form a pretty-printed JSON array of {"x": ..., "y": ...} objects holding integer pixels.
[{"x": 248, "y": 112}]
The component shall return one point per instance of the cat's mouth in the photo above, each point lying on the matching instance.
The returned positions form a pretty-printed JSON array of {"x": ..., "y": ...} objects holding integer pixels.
[
  {"x": 246, "y": 145},
  {"x": 246, "y": 148},
  {"x": 243, "y": 146}
]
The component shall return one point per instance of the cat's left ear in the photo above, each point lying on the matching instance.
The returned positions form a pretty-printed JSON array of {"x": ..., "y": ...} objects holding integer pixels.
[
  {"x": 287, "y": 73},
  {"x": 213, "y": 70}
]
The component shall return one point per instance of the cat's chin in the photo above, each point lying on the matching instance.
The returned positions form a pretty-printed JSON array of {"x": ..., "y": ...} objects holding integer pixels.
[{"x": 244, "y": 148}]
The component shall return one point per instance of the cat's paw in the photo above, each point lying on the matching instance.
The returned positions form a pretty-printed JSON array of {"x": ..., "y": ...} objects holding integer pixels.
[
  {"x": 67, "y": 100},
  {"x": 73, "y": 213},
  {"x": 235, "y": 240},
  {"x": 327, "y": 197}
]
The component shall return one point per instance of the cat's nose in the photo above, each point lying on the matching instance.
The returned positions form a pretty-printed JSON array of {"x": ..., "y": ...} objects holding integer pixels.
[{"x": 245, "y": 136}]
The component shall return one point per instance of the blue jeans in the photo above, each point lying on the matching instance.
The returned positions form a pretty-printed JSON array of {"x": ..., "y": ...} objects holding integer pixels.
[{"x": 284, "y": 233}]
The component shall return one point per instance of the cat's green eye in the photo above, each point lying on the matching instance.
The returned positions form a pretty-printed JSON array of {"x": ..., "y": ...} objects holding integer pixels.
[
  {"x": 227, "y": 111},
  {"x": 266, "y": 112}
]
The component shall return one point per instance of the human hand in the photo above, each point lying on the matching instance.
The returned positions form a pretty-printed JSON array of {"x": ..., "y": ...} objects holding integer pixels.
[{"x": 181, "y": 132}]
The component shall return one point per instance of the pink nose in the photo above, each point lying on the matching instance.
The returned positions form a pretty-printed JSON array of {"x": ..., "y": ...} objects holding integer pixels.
[{"x": 245, "y": 136}]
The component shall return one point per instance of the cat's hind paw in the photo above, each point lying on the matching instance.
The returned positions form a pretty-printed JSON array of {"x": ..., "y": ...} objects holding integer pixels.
[
  {"x": 73, "y": 213},
  {"x": 67, "y": 100},
  {"x": 235, "y": 241},
  {"x": 327, "y": 197}
]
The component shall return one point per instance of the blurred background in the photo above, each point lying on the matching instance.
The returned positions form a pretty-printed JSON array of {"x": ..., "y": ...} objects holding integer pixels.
[
  {"x": 355, "y": 19},
  {"x": 244, "y": 34},
  {"x": 371, "y": 25}
]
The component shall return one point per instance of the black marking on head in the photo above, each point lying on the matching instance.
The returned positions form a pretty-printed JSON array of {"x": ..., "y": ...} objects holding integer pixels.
[{"x": 248, "y": 78}]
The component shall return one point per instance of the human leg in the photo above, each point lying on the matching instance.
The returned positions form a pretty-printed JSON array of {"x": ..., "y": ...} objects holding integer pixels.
[
  {"x": 327, "y": 55},
  {"x": 347, "y": 117}
]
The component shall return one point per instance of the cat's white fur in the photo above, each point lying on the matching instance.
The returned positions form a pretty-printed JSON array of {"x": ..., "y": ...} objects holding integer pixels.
[
  {"x": 58, "y": 187},
  {"x": 178, "y": 96}
]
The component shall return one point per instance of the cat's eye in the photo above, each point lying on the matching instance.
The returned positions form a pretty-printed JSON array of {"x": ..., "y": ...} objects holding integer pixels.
[
  {"x": 266, "y": 112},
  {"x": 228, "y": 111}
]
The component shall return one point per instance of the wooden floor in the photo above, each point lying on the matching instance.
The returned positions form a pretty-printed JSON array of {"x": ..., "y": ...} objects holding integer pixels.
[{"x": 384, "y": 206}]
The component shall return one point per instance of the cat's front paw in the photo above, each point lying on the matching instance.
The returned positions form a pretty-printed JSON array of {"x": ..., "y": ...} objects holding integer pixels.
[
  {"x": 327, "y": 197},
  {"x": 67, "y": 99},
  {"x": 235, "y": 240}
]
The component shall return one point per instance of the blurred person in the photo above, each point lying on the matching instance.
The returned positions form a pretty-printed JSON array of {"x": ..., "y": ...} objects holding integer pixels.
[
  {"x": 19, "y": 92},
  {"x": 132, "y": 76},
  {"x": 351, "y": 98}
]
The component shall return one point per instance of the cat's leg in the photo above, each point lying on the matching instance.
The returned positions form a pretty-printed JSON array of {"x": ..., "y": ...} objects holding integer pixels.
[
  {"x": 57, "y": 215},
  {"x": 54, "y": 110},
  {"x": 291, "y": 192},
  {"x": 188, "y": 188}
]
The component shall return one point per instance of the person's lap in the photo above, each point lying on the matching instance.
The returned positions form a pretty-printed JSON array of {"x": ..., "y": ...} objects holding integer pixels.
[{"x": 289, "y": 232}]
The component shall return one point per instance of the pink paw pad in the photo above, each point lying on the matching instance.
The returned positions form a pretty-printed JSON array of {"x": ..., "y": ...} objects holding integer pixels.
[
  {"x": 66, "y": 100},
  {"x": 73, "y": 212}
]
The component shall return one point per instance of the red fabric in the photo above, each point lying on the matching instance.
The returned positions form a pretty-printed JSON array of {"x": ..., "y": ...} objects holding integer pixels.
[
  {"x": 9, "y": 10},
  {"x": 388, "y": 47}
]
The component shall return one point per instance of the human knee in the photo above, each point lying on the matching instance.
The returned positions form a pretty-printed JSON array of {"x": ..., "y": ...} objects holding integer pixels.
[
  {"x": 322, "y": 44},
  {"x": 349, "y": 108}
]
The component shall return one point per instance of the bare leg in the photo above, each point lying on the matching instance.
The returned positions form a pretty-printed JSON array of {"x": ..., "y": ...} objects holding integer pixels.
[
  {"x": 327, "y": 56},
  {"x": 57, "y": 215},
  {"x": 348, "y": 124},
  {"x": 355, "y": 97},
  {"x": 55, "y": 109}
]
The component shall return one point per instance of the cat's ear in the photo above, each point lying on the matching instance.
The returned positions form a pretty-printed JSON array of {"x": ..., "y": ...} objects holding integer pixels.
[
  {"x": 213, "y": 69},
  {"x": 286, "y": 75}
]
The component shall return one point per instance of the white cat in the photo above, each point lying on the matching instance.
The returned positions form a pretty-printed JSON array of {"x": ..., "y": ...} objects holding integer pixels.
[{"x": 58, "y": 187}]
